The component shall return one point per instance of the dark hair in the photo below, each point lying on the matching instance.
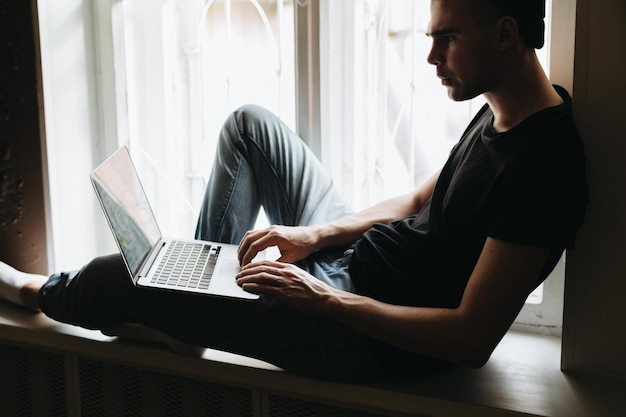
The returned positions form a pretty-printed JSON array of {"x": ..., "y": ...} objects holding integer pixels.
[{"x": 529, "y": 15}]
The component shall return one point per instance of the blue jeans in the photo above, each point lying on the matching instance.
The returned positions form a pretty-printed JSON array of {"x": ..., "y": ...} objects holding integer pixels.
[{"x": 259, "y": 162}]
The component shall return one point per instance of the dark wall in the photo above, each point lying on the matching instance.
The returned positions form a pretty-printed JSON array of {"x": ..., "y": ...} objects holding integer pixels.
[
  {"x": 22, "y": 214},
  {"x": 594, "y": 323}
]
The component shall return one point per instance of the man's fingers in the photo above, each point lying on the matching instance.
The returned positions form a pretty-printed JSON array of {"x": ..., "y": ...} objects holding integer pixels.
[
  {"x": 263, "y": 274},
  {"x": 247, "y": 244},
  {"x": 262, "y": 266},
  {"x": 259, "y": 244}
]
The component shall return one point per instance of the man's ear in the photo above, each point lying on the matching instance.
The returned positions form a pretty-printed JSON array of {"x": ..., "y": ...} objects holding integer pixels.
[{"x": 508, "y": 32}]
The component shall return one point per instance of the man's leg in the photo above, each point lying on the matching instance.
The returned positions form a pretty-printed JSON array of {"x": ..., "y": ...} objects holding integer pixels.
[
  {"x": 101, "y": 296},
  {"x": 259, "y": 161}
]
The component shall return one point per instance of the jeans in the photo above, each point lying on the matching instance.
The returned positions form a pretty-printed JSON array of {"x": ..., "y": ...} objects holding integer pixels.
[{"x": 259, "y": 162}]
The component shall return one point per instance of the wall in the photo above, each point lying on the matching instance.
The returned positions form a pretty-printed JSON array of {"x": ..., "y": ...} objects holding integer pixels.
[
  {"x": 57, "y": 70},
  {"x": 594, "y": 339},
  {"x": 22, "y": 208}
]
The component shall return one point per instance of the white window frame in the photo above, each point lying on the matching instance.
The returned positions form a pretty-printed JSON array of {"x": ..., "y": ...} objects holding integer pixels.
[{"x": 111, "y": 128}]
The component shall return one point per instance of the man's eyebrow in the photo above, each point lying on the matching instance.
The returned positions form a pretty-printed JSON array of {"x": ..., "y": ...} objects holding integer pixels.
[{"x": 441, "y": 32}]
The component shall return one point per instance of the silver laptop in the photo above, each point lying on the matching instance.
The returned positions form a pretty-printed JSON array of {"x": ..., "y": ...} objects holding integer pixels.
[{"x": 153, "y": 261}]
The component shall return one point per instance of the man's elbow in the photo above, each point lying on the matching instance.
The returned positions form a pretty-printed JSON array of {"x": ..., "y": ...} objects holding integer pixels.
[
  {"x": 476, "y": 355},
  {"x": 476, "y": 341},
  {"x": 477, "y": 361},
  {"x": 468, "y": 352}
]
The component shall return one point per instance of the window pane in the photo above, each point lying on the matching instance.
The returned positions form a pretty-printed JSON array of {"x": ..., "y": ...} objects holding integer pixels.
[
  {"x": 387, "y": 122},
  {"x": 188, "y": 64}
]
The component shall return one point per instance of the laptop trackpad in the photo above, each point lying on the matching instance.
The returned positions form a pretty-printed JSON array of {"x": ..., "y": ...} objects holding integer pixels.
[{"x": 226, "y": 283}]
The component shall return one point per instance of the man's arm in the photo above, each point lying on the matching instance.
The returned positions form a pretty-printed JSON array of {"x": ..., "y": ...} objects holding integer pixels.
[
  {"x": 497, "y": 289},
  {"x": 296, "y": 243},
  {"x": 348, "y": 229}
]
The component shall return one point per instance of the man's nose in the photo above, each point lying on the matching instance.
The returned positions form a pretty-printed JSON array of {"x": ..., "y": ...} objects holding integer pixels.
[{"x": 434, "y": 57}]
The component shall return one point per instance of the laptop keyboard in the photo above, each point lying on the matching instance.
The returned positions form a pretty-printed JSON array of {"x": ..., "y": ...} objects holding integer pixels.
[{"x": 187, "y": 264}]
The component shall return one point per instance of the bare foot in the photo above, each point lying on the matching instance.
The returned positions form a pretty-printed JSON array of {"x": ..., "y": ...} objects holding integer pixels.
[{"x": 19, "y": 287}]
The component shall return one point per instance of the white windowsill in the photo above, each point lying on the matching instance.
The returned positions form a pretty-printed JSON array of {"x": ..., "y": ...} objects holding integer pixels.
[{"x": 523, "y": 375}]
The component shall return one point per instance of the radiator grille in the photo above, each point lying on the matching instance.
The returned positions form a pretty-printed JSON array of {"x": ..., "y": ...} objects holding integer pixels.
[
  {"x": 114, "y": 390},
  {"x": 280, "y": 406},
  {"x": 32, "y": 383},
  {"x": 35, "y": 383}
]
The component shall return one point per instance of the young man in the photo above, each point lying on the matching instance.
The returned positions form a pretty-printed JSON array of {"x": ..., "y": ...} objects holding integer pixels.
[{"x": 426, "y": 279}]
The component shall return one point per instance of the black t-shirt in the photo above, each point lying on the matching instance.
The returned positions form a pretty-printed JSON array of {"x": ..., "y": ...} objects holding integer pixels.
[{"x": 526, "y": 185}]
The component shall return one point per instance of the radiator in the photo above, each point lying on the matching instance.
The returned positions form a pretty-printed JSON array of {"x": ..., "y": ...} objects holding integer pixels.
[{"x": 48, "y": 384}]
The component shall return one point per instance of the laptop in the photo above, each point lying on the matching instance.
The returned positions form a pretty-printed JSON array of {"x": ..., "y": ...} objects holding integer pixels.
[{"x": 153, "y": 261}]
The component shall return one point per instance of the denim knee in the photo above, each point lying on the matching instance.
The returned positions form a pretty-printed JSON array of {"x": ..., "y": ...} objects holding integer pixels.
[
  {"x": 255, "y": 122},
  {"x": 252, "y": 114},
  {"x": 239, "y": 126}
]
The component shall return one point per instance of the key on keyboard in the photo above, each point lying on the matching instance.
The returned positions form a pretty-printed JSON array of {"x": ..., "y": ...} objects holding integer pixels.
[{"x": 187, "y": 264}]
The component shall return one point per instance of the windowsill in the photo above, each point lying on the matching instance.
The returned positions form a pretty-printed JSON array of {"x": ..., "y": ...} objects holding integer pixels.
[{"x": 523, "y": 375}]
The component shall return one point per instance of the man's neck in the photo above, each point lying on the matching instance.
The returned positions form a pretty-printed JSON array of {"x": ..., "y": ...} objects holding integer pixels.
[{"x": 526, "y": 91}]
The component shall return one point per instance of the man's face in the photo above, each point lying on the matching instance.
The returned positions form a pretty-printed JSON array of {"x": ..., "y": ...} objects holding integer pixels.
[{"x": 463, "y": 50}]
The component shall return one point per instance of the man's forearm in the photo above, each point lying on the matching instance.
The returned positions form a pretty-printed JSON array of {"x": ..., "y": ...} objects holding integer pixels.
[
  {"x": 434, "y": 332},
  {"x": 347, "y": 230},
  {"x": 503, "y": 277}
]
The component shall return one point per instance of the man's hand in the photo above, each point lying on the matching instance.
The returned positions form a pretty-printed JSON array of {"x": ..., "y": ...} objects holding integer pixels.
[
  {"x": 297, "y": 242},
  {"x": 288, "y": 284},
  {"x": 294, "y": 243}
]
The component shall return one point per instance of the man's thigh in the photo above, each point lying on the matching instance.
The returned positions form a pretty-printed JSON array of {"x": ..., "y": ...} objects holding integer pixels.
[{"x": 101, "y": 295}]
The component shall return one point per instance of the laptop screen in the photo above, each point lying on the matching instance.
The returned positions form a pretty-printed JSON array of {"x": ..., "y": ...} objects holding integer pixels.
[{"x": 126, "y": 208}]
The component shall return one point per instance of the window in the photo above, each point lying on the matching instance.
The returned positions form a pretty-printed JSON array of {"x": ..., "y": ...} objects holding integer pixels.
[
  {"x": 169, "y": 71},
  {"x": 186, "y": 65},
  {"x": 395, "y": 122}
]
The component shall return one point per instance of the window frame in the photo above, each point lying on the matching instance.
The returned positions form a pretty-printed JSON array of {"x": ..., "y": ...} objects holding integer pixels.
[{"x": 112, "y": 123}]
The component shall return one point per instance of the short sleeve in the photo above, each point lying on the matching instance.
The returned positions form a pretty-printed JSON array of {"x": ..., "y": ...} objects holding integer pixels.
[{"x": 543, "y": 197}]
